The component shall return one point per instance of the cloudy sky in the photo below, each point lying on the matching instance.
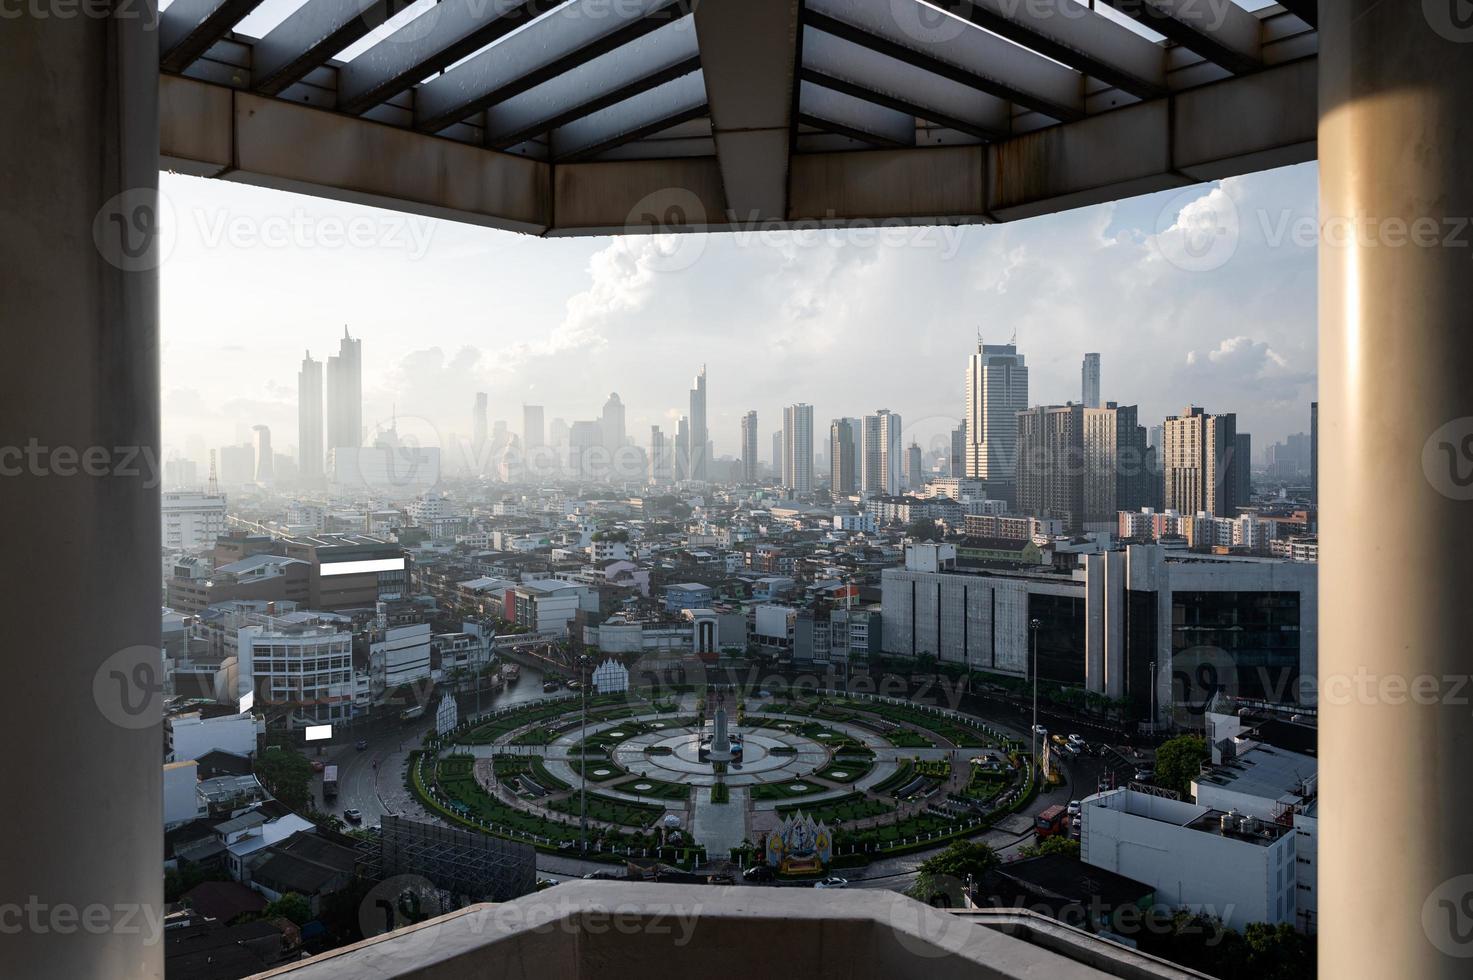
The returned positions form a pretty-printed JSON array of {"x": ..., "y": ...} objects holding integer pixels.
[{"x": 1204, "y": 296}]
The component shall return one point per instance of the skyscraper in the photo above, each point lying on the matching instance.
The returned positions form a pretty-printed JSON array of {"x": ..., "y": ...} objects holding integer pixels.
[
  {"x": 777, "y": 455},
  {"x": 1197, "y": 463},
  {"x": 613, "y": 423},
  {"x": 1314, "y": 454},
  {"x": 914, "y": 462},
  {"x": 845, "y": 438},
  {"x": 345, "y": 395},
  {"x": 997, "y": 390},
  {"x": 749, "y": 447},
  {"x": 682, "y": 449},
  {"x": 699, "y": 436},
  {"x": 659, "y": 457},
  {"x": 956, "y": 464},
  {"x": 871, "y": 480},
  {"x": 265, "y": 461},
  {"x": 585, "y": 451},
  {"x": 1118, "y": 470},
  {"x": 892, "y": 452},
  {"x": 1242, "y": 468},
  {"x": 478, "y": 431},
  {"x": 798, "y": 448},
  {"x": 1049, "y": 480},
  {"x": 309, "y": 421},
  {"x": 1090, "y": 378}
]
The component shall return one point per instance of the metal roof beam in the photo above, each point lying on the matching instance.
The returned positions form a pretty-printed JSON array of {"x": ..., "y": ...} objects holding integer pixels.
[
  {"x": 843, "y": 66},
  {"x": 665, "y": 54},
  {"x": 312, "y": 34},
  {"x": 677, "y": 101},
  {"x": 1218, "y": 30},
  {"x": 947, "y": 46},
  {"x": 431, "y": 42},
  {"x": 563, "y": 40},
  {"x": 1075, "y": 35},
  {"x": 188, "y": 28},
  {"x": 832, "y": 110},
  {"x": 1306, "y": 10},
  {"x": 749, "y": 59}
]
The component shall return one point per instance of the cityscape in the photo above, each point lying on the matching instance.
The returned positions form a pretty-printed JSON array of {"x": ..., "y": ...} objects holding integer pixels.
[{"x": 714, "y": 488}]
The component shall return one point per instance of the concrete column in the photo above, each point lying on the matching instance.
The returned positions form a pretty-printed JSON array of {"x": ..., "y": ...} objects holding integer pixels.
[
  {"x": 80, "y": 826},
  {"x": 1396, "y": 417}
]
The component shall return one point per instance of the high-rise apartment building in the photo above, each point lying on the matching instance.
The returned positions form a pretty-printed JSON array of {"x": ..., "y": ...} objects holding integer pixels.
[
  {"x": 699, "y": 436},
  {"x": 871, "y": 480},
  {"x": 532, "y": 434},
  {"x": 265, "y": 460},
  {"x": 1049, "y": 476},
  {"x": 798, "y": 448},
  {"x": 749, "y": 447},
  {"x": 892, "y": 452},
  {"x": 659, "y": 457},
  {"x": 586, "y": 455},
  {"x": 1119, "y": 472},
  {"x": 845, "y": 439},
  {"x": 956, "y": 462},
  {"x": 1242, "y": 470},
  {"x": 1090, "y": 381},
  {"x": 777, "y": 455},
  {"x": 915, "y": 474},
  {"x": 997, "y": 390},
  {"x": 1197, "y": 463},
  {"x": 1314, "y": 453},
  {"x": 345, "y": 395},
  {"x": 682, "y": 449},
  {"x": 310, "y": 453}
]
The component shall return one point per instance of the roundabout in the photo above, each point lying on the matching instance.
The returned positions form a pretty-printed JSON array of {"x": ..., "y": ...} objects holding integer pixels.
[{"x": 681, "y": 781}]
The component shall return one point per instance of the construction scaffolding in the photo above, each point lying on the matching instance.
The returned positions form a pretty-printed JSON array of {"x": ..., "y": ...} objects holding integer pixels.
[{"x": 478, "y": 866}]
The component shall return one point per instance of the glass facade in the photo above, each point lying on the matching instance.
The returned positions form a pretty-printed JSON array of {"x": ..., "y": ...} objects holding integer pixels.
[
  {"x": 1254, "y": 637},
  {"x": 1061, "y": 636}
]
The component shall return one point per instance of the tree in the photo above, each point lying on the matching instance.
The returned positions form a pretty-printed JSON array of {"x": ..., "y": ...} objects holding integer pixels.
[
  {"x": 923, "y": 529},
  {"x": 1179, "y": 760},
  {"x": 291, "y": 906},
  {"x": 942, "y": 876},
  {"x": 1052, "y": 845},
  {"x": 288, "y": 775}
]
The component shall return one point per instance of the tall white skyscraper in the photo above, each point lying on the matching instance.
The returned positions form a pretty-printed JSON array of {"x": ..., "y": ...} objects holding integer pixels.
[
  {"x": 265, "y": 461},
  {"x": 659, "y": 457},
  {"x": 997, "y": 390},
  {"x": 345, "y": 395},
  {"x": 749, "y": 447},
  {"x": 309, "y": 421},
  {"x": 1090, "y": 381},
  {"x": 892, "y": 453},
  {"x": 798, "y": 448},
  {"x": 699, "y": 436},
  {"x": 478, "y": 429}
]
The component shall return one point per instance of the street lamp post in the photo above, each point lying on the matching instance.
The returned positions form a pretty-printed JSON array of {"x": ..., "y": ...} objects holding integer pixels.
[
  {"x": 1033, "y": 625},
  {"x": 583, "y": 758}
]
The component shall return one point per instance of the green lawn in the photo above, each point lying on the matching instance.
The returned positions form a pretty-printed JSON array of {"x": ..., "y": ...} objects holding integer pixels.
[
  {"x": 846, "y": 771},
  {"x": 791, "y": 789},
  {"x": 658, "y": 789},
  {"x": 610, "y": 810},
  {"x": 835, "y": 812}
]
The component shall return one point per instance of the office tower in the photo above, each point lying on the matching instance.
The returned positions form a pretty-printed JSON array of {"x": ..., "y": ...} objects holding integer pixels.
[
  {"x": 309, "y": 421},
  {"x": 1197, "y": 463},
  {"x": 777, "y": 455},
  {"x": 478, "y": 426},
  {"x": 345, "y": 395},
  {"x": 1090, "y": 380},
  {"x": 557, "y": 432},
  {"x": 997, "y": 390},
  {"x": 914, "y": 467},
  {"x": 699, "y": 437},
  {"x": 237, "y": 465},
  {"x": 956, "y": 463},
  {"x": 749, "y": 447},
  {"x": 585, "y": 447},
  {"x": 892, "y": 453},
  {"x": 532, "y": 437},
  {"x": 1314, "y": 454},
  {"x": 659, "y": 461},
  {"x": 1242, "y": 467},
  {"x": 682, "y": 449},
  {"x": 844, "y": 440},
  {"x": 612, "y": 422},
  {"x": 1049, "y": 474},
  {"x": 265, "y": 460},
  {"x": 798, "y": 448},
  {"x": 1118, "y": 469}
]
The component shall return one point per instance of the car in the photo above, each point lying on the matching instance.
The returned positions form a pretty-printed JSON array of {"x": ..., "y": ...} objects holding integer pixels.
[
  {"x": 545, "y": 883},
  {"x": 1145, "y": 775},
  {"x": 603, "y": 876},
  {"x": 318, "y": 765},
  {"x": 759, "y": 873},
  {"x": 361, "y": 744},
  {"x": 353, "y": 815},
  {"x": 1074, "y": 808},
  {"x": 1040, "y": 730},
  {"x": 832, "y": 881},
  {"x": 1077, "y": 739}
]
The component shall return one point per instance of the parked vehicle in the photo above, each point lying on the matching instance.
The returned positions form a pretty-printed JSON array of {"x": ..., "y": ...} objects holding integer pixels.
[
  {"x": 409, "y": 714},
  {"x": 1145, "y": 775},
  {"x": 604, "y": 876},
  {"x": 1051, "y": 822},
  {"x": 832, "y": 881},
  {"x": 1074, "y": 808},
  {"x": 1077, "y": 740},
  {"x": 353, "y": 815},
  {"x": 361, "y": 744},
  {"x": 759, "y": 873}
]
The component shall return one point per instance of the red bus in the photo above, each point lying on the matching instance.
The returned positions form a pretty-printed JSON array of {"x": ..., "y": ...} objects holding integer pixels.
[{"x": 1054, "y": 820}]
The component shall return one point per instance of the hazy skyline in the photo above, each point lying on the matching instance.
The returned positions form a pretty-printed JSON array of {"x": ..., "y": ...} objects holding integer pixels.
[{"x": 846, "y": 321}]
